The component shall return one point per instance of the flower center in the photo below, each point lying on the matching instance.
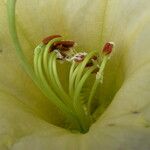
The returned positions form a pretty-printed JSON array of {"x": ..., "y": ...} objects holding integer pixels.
[{"x": 53, "y": 50}]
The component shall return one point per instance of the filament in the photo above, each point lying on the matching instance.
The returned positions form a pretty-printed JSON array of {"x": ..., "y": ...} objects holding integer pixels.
[{"x": 44, "y": 74}]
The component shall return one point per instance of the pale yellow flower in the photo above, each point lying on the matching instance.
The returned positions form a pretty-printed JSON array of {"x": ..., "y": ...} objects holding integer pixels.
[{"x": 27, "y": 117}]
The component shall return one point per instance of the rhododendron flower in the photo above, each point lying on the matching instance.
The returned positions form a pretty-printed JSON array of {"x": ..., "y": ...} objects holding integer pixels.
[{"x": 74, "y": 74}]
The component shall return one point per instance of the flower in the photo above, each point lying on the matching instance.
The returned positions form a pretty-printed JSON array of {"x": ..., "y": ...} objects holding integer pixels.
[{"x": 26, "y": 115}]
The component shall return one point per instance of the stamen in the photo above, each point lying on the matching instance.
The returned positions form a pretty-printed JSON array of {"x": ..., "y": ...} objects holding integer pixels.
[
  {"x": 42, "y": 80},
  {"x": 89, "y": 64},
  {"x": 99, "y": 75},
  {"x": 66, "y": 44},
  {"x": 28, "y": 68},
  {"x": 63, "y": 45},
  {"x": 93, "y": 61},
  {"x": 94, "y": 58},
  {"x": 49, "y": 38},
  {"x": 46, "y": 77},
  {"x": 57, "y": 86},
  {"x": 83, "y": 65},
  {"x": 37, "y": 52},
  {"x": 59, "y": 55},
  {"x": 108, "y": 47},
  {"x": 96, "y": 70},
  {"x": 74, "y": 69},
  {"x": 79, "y": 57}
]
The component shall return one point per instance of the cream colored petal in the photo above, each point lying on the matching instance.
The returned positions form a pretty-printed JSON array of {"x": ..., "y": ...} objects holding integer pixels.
[
  {"x": 124, "y": 22},
  {"x": 125, "y": 124},
  {"x": 21, "y": 129},
  {"x": 90, "y": 24},
  {"x": 17, "y": 121},
  {"x": 14, "y": 80}
]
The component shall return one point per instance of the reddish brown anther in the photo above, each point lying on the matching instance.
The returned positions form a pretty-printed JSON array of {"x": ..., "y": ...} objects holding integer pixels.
[
  {"x": 49, "y": 38},
  {"x": 96, "y": 70},
  {"x": 94, "y": 57},
  {"x": 108, "y": 47},
  {"x": 63, "y": 45},
  {"x": 89, "y": 64},
  {"x": 63, "y": 54},
  {"x": 66, "y": 44}
]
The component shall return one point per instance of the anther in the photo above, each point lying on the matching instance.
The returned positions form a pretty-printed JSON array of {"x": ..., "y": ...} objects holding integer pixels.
[
  {"x": 108, "y": 48},
  {"x": 79, "y": 57},
  {"x": 63, "y": 54},
  {"x": 59, "y": 55},
  {"x": 49, "y": 38},
  {"x": 91, "y": 61},
  {"x": 53, "y": 48},
  {"x": 63, "y": 45},
  {"x": 96, "y": 70},
  {"x": 89, "y": 64},
  {"x": 94, "y": 57}
]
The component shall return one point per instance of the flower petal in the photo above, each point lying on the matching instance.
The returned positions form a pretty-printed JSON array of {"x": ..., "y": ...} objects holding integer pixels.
[
  {"x": 14, "y": 80},
  {"x": 125, "y": 124},
  {"x": 21, "y": 128}
]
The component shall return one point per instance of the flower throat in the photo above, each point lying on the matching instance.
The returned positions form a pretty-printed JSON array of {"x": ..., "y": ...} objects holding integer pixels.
[{"x": 53, "y": 50}]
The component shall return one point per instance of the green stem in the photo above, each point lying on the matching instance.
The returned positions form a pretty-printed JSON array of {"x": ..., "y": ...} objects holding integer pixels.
[
  {"x": 81, "y": 83},
  {"x": 82, "y": 66},
  {"x": 28, "y": 68},
  {"x": 71, "y": 72},
  {"x": 37, "y": 52},
  {"x": 42, "y": 80},
  {"x": 61, "y": 92},
  {"x": 46, "y": 56},
  {"x": 77, "y": 102},
  {"x": 57, "y": 101},
  {"x": 96, "y": 83},
  {"x": 72, "y": 80},
  {"x": 55, "y": 82},
  {"x": 13, "y": 32}
]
